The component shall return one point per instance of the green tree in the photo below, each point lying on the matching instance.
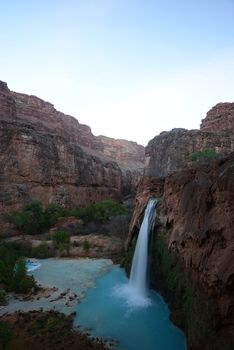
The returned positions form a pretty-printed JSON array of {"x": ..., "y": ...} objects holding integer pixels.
[
  {"x": 86, "y": 245},
  {"x": 206, "y": 154},
  {"x": 30, "y": 220},
  {"x": 2, "y": 296},
  {"x": 100, "y": 211},
  {"x": 21, "y": 282},
  {"x": 52, "y": 213},
  {"x": 61, "y": 240},
  {"x": 5, "y": 334}
]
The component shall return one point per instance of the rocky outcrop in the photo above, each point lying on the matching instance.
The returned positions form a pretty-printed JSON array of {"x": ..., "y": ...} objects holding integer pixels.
[
  {"x": 127, "y": 153},
  {"x": 219, "y": 118},
  {"x": 50, "y": 156},
  {"x": 46, "y": 167},
  {"x": 195, "y": 220},
  {"x": 148, "y": 187},
  {"x": 44, "y": 117},
  {"x": 196, "y": 210},
  {"x": 171, "y": 151},
  {"x": 7, "y": 103}
]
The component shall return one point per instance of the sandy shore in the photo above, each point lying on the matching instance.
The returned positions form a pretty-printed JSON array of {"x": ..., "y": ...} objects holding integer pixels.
[{"x": 63, "y": 282}]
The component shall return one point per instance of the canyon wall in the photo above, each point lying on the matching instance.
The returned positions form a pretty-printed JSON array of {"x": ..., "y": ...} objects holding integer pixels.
[
  {"x": 46, "y": 167},
  {"x": 219, "y": 118},
  {"x": 129, "y": 155},
  {"x": 171, "y": 151},
  {"x": 47, "y": 155},
  {"x": 44, "y": 117},
  {"x": 195, "y": 213},
  {"x": 126, "y": 153},
  {"x": 198, "y": 210}
]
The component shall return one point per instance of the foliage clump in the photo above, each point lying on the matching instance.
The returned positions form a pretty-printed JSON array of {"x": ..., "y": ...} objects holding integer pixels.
[
  {"x": 61, "y": 241},
  {"x": 34, "y": 219},
  {"x": 13, "y": 274},
  {"x": 100, "y": 211},
  {"x": 42, "y": 251},
  {"x": 2, "y": 296},
  {"x": 6, "y": 334},
  {"x": 86, "y": 245},
  {"x": 207, "y": 154},
  {"x": 54, "y": 323}
]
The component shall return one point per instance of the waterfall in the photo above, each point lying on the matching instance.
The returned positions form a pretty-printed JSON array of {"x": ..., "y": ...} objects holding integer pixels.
[
  {"x": 138, "y": 275},
  {"x": 135, "y": 291}
]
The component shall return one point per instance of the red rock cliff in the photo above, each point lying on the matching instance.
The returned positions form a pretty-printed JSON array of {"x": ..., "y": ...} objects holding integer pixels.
[
  {"x": 44, "y": 117},
  {"x": 127, "y": 153},
  {"x": 7, "y": 103},
  {"x": 171, "y": 151},
  {"x": 46, "y": 167},
  {"x": 219, "y": 118},
  {"x": 50, "y": 156},
  {"x": 196, "y": 206}
]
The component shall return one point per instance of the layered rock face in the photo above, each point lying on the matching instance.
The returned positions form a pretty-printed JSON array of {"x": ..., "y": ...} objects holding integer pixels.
[
  {"x": 196, "y": 206},
  {"x": 44, "y": 117},
  {"x": 7, "y": 102},
  {"x": 126, "y": 153},
  {"x": 129, "y": 155},
  {"x": 46, "y": 167},
  {"x": 219, "y": 118},
  {"x": 198, "y": 210},
  {"x": 171, "y": 151},
  {"x": 50, "y": 156}
]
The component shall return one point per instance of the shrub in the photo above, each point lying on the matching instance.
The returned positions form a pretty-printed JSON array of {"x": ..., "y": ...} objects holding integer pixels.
[
  {"x": 42, "y": 251},
  {"x": 20, "y": 248},
  {"x": 13, "y": 269},
  {"x": 2, "y": 297},
  {"x": 6, "y": 334},
  {"x": 100, "y": 211},
  {"x": 33, "y": 218},
  {"x": 61, "y": 240},
  {"x": 206, "y": 154},
  {"x": 86, "y": 245},
  {"x": 52, "y": 213},
  {"x": 30, "y": 220},
  {"x": 21, "y": 282},
  {"x": 54, "y": 323}
]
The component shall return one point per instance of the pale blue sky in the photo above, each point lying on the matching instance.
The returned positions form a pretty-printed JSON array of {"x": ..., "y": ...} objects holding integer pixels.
[{"x": 128, "y": 68}]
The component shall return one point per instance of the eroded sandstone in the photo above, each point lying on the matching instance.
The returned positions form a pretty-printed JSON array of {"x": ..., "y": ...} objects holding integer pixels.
[
  {"x": 171, "y": 151},
  {"x": 219, "y": 118},
  {"x": 50, "y": 156}
]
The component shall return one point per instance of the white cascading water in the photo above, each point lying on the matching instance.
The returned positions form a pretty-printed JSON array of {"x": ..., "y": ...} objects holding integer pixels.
[
  {"x": 138, "y": 275},
  {"x": 135, "y": 291}
]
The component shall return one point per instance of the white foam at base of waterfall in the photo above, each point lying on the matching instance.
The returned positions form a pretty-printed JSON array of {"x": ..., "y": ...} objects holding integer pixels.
[{"x": 131, "y": 297}]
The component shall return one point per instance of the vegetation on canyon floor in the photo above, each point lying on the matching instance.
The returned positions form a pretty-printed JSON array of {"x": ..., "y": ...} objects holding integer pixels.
[
  {"x": 61, "y": 241},
  {"x": 13, "y": 276},
  {"x": 6, "y": 335},
  {"x": 34, "y": 219},
  {"x": 37, "y": 330}
]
